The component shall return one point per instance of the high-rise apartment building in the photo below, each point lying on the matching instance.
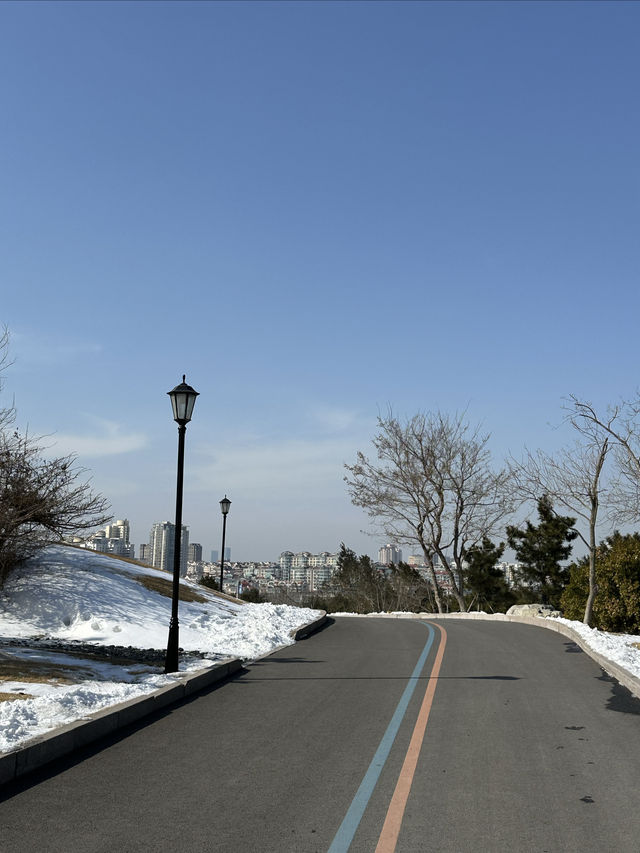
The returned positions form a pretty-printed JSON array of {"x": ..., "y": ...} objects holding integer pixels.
[
  {"x": 194, "y": 552},
  {"x": 162, "y": 545},
  {"x": 118, "y": 530},
  {"x": 389, "y": 554}
]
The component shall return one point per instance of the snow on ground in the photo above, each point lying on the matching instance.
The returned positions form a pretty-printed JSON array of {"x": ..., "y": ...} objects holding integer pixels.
[
  {"x": 623, "y": 649},
  {"x": 70, "y": 595}
]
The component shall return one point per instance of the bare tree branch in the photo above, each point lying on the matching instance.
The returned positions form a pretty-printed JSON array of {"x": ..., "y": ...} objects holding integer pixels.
[
  {"x": 433, "y": 486},
  {"x": 41, "y": 500}
]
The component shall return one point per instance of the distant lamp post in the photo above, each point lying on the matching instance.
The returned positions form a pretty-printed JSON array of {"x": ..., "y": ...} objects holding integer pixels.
[
  {"x": 225, "y": 505},
  {"x": 183, "y": 398}
]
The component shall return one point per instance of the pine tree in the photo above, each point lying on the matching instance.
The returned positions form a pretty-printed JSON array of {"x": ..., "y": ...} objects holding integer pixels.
[
  {"x": 484, "y": 580},
  {"x": 541, "y": 548}
]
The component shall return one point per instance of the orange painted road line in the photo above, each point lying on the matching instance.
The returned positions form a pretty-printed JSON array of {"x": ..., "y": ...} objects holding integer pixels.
[{"x": 395, "y": 813}]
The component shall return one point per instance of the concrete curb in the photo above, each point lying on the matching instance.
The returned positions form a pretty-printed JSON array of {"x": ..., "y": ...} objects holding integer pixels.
[
  {"x": 59, "y": 742},
  {"x": 309, "y": 628},
  {"x": 296, "y": 634},
  {"x": 64, "y": 740}
]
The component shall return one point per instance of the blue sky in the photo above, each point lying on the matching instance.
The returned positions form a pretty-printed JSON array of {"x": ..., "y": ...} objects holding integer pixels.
[{"x": 315, "y": 211}]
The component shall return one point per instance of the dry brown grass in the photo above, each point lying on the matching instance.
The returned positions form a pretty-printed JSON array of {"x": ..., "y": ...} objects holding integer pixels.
[
  {"x": 30, "y": 671},
  {"x": 11, "y": 697},
  {"x": 165, "y": 587},
  {"x": 40, "y": 672},
  {"x": 36, "y": 673}
]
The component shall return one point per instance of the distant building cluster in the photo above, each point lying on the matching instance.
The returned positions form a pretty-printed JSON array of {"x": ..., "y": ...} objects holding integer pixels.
[
  {"x": 112, "y": 539},
  {"x": 510, "y": 571},
  {"x": 416, "y": 561},
  {"x": 291, "y": 577},
  {"x": 389, "y": 554},
  {"x": 215, "y": 555},
  {"x": 158, "y": 551},
  {"x": 307, "y": 570}
]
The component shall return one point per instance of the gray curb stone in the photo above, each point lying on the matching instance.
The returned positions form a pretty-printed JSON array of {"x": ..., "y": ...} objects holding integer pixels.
[
  {"x": 309, "y": 628},
  {"x": 64, "y": 740},
  {"x": 47, "y": 747}
]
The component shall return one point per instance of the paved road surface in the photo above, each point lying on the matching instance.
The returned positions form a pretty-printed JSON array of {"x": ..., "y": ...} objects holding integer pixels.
[{"x": 521, "y": 744}]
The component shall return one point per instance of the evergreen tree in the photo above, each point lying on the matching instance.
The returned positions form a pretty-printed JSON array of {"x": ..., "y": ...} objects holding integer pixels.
[
  {"x": 484, "y": 580},
  {"x": 411, "y": 590},
  {"x": 541, "y": 548},
  {"x": 356, "y": 580},
  {"x": 617, "y": 605}
]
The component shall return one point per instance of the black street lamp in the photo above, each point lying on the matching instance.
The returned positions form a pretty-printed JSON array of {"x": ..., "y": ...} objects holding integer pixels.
[
  {"x": 225, "y": 504},
  {"x": 183, "y": 398}
]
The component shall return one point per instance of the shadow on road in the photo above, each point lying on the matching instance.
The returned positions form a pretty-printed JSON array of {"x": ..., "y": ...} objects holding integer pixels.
[
  {"x": 621, "y": 700},
  {"x": 237, "y": 678}
]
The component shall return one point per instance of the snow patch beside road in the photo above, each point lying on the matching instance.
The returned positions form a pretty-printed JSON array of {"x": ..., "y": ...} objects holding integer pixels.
[{"x": 75, "y": 595}]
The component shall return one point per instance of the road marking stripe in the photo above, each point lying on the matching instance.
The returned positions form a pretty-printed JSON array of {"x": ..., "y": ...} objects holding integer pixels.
[
  {"x": 391, "y": 828},
  {"x": 348, "y": 827}
]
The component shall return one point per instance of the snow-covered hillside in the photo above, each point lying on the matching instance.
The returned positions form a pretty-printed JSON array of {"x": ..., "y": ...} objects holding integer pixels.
[{"x": 69, "y": 594}]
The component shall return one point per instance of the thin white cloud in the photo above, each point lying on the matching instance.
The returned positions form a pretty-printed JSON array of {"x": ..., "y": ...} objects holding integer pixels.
[
  {"x": 275, "y": 468},
  {"x": 109, "y": 439},
  {"x": 30, "y": 350},
  {"x": 333, "y": 419}
]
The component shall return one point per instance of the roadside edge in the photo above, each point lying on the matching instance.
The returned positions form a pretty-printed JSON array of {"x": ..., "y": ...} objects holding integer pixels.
[
  {"x": 631, "y": 682},
  {"x": 61, "y": 741},
  {"x": 66, "y": 739}
]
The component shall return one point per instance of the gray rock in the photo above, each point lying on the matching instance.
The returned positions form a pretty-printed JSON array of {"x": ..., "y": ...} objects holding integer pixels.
[{"x": 532, "y": 610}]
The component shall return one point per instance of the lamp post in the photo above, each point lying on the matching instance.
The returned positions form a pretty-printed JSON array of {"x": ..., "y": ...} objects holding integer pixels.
[
  {"x": 183, "y": 398},
  {"x": 225, "y": 504}
]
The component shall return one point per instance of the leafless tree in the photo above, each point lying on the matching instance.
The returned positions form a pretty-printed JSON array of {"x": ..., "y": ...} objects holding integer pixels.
[
  {"x": 622, "y": 424},
  {"x": 8, "y": 413},
  {"x": 41, "y": 500},
  {"x": 572, "y": 478},
  {"x": 433, "y": 486}
]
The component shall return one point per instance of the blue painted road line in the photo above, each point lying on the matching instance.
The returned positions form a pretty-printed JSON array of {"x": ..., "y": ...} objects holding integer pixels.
[{"x": 351, "y": 822}]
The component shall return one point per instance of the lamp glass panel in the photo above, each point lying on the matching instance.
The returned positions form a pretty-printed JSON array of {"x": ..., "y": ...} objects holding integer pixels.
[{"x": 189, "y": 403}]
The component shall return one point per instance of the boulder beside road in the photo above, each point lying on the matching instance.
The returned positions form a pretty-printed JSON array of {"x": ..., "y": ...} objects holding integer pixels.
[{"x": 533, "y": 610}]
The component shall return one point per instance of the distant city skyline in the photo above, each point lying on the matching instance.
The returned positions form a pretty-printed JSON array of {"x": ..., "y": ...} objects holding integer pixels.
[{"x": 314, "y": 211}]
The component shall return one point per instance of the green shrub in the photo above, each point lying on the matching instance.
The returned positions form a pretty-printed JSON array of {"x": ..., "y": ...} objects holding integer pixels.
[{"x": 617, "y": 603}]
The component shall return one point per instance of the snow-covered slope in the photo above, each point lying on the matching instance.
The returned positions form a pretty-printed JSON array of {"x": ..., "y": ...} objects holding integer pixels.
[{"x": 69, "y": 594}]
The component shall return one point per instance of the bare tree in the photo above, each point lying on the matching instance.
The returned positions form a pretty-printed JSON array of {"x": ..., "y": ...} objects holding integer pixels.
[
  {"x": 432, "y": 486},
  {"x": 622, "y": 424},
  {"x": 7, "y": 414},
  {"x": 572, "y": 478},
  {"x": 41, "y": 500}
]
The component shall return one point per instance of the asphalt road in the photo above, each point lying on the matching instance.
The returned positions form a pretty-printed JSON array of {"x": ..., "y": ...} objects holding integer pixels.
[{"x": 348, "y": 741}]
